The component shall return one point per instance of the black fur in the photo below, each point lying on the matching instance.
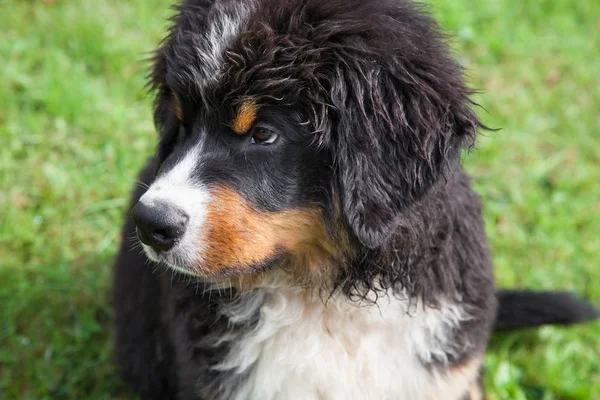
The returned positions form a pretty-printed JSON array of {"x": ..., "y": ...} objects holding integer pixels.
[{"x": 374, "y": 114}]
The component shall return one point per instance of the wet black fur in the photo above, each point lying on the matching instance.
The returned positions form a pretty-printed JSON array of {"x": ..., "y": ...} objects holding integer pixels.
[{"x": 374, "y": 114}]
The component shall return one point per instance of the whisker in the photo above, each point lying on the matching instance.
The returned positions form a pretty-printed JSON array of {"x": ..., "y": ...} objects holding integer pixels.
[{"x": 141, "y": 184}]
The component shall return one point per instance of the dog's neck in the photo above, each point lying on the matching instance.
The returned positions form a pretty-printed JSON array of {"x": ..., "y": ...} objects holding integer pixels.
[{"x": 281, "y": 338}]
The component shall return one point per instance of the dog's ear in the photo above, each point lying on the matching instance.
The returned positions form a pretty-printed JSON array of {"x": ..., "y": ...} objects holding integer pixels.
[{"x": 403, "y": 115}]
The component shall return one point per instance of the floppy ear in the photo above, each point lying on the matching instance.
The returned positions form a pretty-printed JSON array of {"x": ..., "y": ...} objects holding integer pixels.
[{"x": 401, "y": 123}]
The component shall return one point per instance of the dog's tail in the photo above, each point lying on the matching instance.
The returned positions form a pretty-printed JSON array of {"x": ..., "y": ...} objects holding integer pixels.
[{"x": 525, "y": 309}]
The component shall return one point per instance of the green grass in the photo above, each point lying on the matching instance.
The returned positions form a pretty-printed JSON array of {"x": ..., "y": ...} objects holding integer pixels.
[{"x": 75, "y": 126}]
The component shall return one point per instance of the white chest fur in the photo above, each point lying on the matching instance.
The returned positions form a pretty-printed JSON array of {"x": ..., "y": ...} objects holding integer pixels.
[{"x": 305, "y": 349}]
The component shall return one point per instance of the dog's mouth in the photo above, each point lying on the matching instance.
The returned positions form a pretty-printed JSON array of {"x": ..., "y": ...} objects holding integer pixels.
[
  {"x": 178, "y": 260},
  {"x": 170, "y": 260}
]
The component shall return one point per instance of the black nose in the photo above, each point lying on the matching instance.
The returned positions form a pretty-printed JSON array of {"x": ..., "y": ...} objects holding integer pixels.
[{"x": 159, "y": 225}]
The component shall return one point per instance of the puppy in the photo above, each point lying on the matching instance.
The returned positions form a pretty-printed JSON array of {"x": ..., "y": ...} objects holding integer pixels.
[{"x": 307, "y": 198}]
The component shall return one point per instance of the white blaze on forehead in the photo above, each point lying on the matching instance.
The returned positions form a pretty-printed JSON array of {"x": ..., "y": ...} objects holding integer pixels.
[
  {"x": 177, "y": 188},
  {"x": 226, "y": 24}
]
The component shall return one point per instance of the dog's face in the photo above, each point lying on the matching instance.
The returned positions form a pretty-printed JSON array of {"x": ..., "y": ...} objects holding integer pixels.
[
  {"x": 295, "y": 132},
  {"x": 244, "y": 187}
]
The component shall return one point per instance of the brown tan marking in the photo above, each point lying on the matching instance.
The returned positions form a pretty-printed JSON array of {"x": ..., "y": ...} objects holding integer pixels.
[
  {"x": 245, "y": 117},
  {"x": 238, "y": 237},
  {"x": 177, "y": 107}
]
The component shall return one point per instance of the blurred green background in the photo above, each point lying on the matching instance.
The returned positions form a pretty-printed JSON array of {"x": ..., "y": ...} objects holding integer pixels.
[{"x": 75, "y": 127}]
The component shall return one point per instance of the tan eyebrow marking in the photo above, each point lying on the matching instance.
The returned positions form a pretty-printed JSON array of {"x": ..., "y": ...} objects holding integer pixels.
[
  {"x": 245, "y": 117},
  {"x": 177, "y": 107}
]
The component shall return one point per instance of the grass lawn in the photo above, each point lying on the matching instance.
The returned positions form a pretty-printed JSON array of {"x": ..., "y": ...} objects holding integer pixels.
[{"x": 75, "y": 126}]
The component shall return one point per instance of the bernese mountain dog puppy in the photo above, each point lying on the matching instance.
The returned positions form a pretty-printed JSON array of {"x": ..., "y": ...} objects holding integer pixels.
[{"x": 319, "y": 237}]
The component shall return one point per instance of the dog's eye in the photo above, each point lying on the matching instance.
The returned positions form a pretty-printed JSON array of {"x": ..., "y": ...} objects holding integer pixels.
[{"x": 264, "y": 136}]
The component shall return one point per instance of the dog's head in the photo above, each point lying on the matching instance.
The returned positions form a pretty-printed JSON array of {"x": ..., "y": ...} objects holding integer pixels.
[{"x": 294, "y": 132}]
